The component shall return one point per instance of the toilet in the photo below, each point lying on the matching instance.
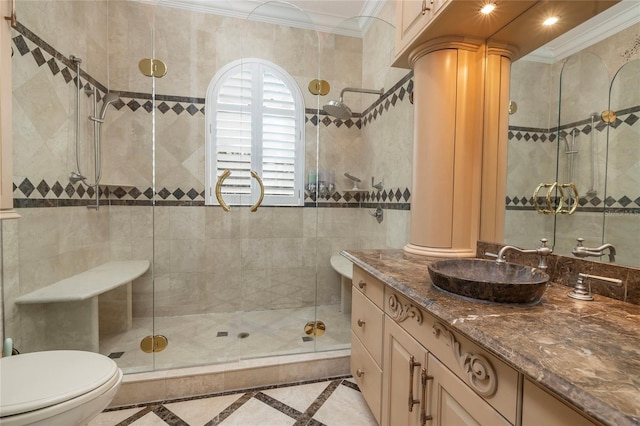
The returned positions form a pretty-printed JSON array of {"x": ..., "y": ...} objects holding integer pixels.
[{"x": 56, "y": 387}]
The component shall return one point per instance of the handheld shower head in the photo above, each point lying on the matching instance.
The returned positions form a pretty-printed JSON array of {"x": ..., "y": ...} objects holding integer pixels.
[
  {"x": 75, "y": 177},
  {"x": 108, "y": 99}
]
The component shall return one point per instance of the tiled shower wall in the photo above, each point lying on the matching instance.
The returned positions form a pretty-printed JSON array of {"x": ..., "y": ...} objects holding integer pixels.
[
  {"x": 198, "y": 251},
  {"x": 533, "y": 149}
]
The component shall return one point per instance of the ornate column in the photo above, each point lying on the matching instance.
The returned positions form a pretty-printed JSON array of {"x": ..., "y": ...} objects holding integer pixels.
[
  {"x": 447, "y": 153},
  {"x": 461, "y": 92},
  {"x": 495, "y": 140}
]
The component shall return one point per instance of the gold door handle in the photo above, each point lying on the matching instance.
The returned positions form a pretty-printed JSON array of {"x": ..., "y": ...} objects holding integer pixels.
[
  {"x": 360, "y": 323},
  {"x": 549, "y": 208},
  {"x": 573, "y": 206},
  {"x": 359, "y": 373},
  {"x": 221, "y": 179},
  {"x": 256, "y": 205}
]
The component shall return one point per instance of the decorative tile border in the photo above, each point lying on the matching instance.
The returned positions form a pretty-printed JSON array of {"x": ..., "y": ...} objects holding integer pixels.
[
  {"x": 57, "y": 194},
  {"x": 305, "y": 417},
  {"x": 628, "y": 116},
  {"x": 47, "y": 194},
  {"x": 624, "y": 204},
  {"x": 28, "y": 42}
]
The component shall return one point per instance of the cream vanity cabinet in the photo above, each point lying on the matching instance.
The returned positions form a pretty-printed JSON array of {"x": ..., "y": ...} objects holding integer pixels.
[
  {"x": 367, "y": 319},
  {"x": 413, "y": 369},
  {"x": 432, "y": 374}
]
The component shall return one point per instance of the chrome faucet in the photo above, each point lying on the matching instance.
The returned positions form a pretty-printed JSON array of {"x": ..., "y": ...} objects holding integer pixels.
[
  {"x": 581, "y": 251},
  {"x": 543, "y": 251}
]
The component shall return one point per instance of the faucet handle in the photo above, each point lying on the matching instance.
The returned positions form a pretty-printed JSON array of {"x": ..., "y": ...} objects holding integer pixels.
[
  {"x": 580, "y": 241},
  {"x": 543, "y": 242},
  {"x": 582, "y": 292}
]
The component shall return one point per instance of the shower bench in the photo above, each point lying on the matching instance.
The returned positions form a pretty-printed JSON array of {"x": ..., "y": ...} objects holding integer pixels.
[
  {"x": 76, "y": 310},
  {"x": 344, "y": 267}
]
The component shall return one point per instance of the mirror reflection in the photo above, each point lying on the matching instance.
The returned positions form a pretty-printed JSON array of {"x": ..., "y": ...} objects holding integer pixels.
[{"x": 558, "y": 135}]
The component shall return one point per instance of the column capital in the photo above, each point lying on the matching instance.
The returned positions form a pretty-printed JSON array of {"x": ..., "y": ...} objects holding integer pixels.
[
  {"x": 502, "y": 49},
  {"x": 441, "y": 43}
]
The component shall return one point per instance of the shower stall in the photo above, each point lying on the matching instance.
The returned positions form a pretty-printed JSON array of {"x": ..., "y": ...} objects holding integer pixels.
[{"x": 223, "y": 286}]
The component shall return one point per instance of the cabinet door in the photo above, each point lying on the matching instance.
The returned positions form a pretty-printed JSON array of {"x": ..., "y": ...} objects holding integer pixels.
[
  {"x": 412, "y": 17},
  {"x": 452, "y": 402},
  {"x": 541, "y": 408},
  {"x": 404, "y": 359}
]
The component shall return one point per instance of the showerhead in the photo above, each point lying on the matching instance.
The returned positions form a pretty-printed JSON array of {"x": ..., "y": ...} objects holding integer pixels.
[
  {"x": 76, "y": 177},
  {"x": 338, "y": 109},
  {"x": 108, "y": 99}
]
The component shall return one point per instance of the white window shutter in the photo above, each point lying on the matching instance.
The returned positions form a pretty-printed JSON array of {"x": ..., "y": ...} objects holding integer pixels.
[{"x": 257, "y": 124}]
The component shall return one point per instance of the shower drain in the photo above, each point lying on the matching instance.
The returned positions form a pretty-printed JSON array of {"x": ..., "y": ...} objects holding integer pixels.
[{"x": 243, "y": 335}]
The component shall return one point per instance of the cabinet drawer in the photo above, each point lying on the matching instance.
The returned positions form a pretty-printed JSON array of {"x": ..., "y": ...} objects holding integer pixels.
[
  {"x": 367, "y": 375},
  {"x": 366, "y": 323},
  {"x": 369, "y": 286},
  {"x": 492, "y": 379}
]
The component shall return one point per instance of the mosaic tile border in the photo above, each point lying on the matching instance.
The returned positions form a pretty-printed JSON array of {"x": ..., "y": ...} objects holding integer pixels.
[
  {"x": 622, "y": 204},
  {"x": 43, "y": 53},
  {"x": 626, "y": 116},
  {"x": 57, "y": 194}
]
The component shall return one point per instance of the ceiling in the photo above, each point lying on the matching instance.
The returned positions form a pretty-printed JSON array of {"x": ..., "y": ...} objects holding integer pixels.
[{"x": 333, "y": 16}]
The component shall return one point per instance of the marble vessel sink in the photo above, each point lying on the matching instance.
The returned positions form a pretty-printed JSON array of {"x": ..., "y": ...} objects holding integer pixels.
[{"x": 488, "y": 280}]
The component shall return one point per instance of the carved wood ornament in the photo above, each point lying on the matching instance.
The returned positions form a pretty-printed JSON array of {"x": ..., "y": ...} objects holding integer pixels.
[
  {"x": 401, "y": 311},
  {"x": 481, "y": 375}
]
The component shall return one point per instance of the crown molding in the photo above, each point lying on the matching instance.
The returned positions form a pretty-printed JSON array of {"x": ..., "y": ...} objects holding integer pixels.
[
  {"x": 281, "y": 13},
  {"x": 613, "y": 20}
]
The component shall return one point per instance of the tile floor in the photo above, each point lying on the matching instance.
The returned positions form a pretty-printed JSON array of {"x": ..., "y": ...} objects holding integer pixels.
[
  {"x": 331, "y": 402},
  {"x": 227, "y": 337}
]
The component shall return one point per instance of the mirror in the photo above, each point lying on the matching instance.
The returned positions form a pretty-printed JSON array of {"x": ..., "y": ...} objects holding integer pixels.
[
  {"x": 558, "y": 135},
  {"x": 622, "y": 218}
]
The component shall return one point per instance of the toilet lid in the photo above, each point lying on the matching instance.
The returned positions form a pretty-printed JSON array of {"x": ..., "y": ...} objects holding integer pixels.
[{"x": 37, "y": 380}]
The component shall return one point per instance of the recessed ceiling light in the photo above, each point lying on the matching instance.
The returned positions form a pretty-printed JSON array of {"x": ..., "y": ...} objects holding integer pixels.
[
  {"x": 488, "y": 8},
  {"x": 550, "y": 21}
]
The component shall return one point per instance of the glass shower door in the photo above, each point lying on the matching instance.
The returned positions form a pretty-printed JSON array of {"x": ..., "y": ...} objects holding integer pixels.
[{"x": 237, "y": 283}]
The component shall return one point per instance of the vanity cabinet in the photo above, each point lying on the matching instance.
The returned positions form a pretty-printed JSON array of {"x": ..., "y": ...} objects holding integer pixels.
[
  {"x": 414, "y": 369},
  {"x": 367, "y": 319},
  {"x": 450, "y": 379}
]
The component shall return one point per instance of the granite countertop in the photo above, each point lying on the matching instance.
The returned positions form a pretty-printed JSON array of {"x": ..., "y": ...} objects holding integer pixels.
[{"x": 586, "y": 353}]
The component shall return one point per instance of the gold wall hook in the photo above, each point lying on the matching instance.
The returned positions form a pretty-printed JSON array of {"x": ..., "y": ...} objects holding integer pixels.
[
  {"x": 219, "y": 183},
  {"x": 256, "y": 205},
  {"x": 152, "y": 67}
]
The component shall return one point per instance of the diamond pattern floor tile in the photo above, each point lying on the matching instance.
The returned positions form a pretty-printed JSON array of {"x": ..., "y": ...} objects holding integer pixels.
[{"x": 335, "y": 402}]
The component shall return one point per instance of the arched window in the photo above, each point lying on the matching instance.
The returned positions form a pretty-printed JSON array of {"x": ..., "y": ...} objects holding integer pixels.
[{"x": 255, "y": 121}]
